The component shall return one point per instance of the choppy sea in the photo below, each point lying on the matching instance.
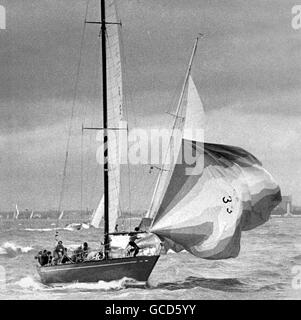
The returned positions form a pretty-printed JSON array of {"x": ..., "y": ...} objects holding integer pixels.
[{"x": 263, "y": 270}]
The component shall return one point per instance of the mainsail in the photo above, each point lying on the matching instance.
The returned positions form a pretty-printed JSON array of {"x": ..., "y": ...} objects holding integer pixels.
[
  {"x": 115, "y": 118},
  {"x": 208, "y": 203},
  {"x": 31, "y": 215}
]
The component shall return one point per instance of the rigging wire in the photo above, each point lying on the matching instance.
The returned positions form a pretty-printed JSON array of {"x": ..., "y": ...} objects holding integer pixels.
[
  {"x": 85, "y": 117},
  {"x": 95, "y": 176},
  {"x": 72, "y": 112},
  {"x": 81, "y": 169},
  {"x": 177, "y": 122},
  {"x": 96, "y": 90}
]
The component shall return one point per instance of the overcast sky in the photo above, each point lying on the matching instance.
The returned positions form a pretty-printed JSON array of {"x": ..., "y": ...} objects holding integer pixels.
[{"x": 247, "y": 71}]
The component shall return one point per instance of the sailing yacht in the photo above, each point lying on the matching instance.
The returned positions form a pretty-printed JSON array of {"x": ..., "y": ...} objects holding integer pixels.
[
  {"x": 107, "y": 269},
  {"x": 201, "y": 206}
]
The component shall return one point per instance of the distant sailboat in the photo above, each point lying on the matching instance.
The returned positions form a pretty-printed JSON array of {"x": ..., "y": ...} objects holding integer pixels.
[
  {"x": 31, "y": 215},
  {"x": 16, "y": 213},
  {"x": 288, "y": 213},
  {"x": 200, "y": 206},
  {"x": 61, "y": 215}
]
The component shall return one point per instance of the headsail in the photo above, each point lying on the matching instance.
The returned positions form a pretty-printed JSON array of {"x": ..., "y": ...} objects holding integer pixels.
[
  {"x": 175, "y": 141},
  {"x": 190, "y": 127},
  {"x": 195, "y": 117},
  {"x": 97, "y": 214},
  {"x": 115, "y": 117}
]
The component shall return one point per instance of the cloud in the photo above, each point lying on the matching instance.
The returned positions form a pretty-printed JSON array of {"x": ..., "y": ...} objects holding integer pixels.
[{"x": 247, "y": 71}]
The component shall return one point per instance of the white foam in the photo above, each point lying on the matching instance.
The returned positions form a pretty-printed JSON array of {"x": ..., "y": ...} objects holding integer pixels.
[
  {"x": 70, "y": 227},
  {"x": 30, "y": 283},
  {"x": 170, "y": 251},
  {"x": 76, "y": 226},
  {"x": 43, "y": 230},
  {"x": 101, "y": 285},
  {"x": 10, "y": 248}
]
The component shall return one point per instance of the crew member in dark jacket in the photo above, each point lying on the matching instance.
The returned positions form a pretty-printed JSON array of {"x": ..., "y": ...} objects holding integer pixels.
[
  {"x": 58, "y": 252},
  {"x": 44, "y": 258},
  {"x": 132, "y": 243}
]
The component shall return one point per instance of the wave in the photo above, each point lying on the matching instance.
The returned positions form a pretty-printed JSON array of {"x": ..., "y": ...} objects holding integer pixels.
[
  {"x": 101, "y": 285},
  {"x": 170, "y": 251},
  {"x": 77, "y": 226},
  {"x": 217, "y": 284},
  {"x": 30, "y": 283},
  {"x": 267, "y": 273},
  {"x": 35, "y": 285},
  {"x": 43, "y": 229},
  {"x": 71, "y": 227},
  {"x": 47, "y": 229},
  {"x": 12, "y": 250},
  {"x": 296, "y": 258},
  {"x": 272, "y": 287},
  {"x": 279, "y": 235}
]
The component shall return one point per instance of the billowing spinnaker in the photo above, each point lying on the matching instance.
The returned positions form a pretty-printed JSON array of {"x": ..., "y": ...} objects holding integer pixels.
[{"x": 205, "y": 213}]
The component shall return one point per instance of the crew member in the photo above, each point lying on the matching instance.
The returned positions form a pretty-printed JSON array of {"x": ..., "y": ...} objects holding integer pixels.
[
  {"x": 65, "y": 257},
  {"x": 85, "y": 249},
  {"x": 132, "y": 243},
  {"x": 44, "y": 258},
  {"x": 58, "y": 252},
  {"x": 38, "y": 256}
]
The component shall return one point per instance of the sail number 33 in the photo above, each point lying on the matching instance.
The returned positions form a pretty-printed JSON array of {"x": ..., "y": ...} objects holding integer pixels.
[{"x": 228, "y": 201}]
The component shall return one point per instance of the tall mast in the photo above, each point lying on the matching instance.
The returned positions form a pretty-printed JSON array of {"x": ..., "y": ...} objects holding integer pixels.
[{"x": 105, "y": 130}]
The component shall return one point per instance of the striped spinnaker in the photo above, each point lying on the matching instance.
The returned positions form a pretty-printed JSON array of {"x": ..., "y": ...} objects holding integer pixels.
[{"x": 206, "y": 213}]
